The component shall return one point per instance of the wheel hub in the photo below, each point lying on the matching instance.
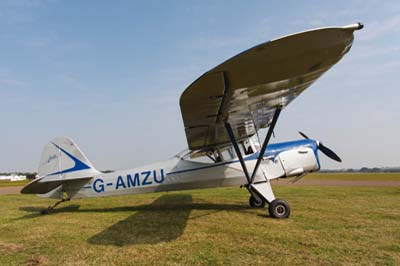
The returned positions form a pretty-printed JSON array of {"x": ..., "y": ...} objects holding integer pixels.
[{"x": 280, "y": 209}]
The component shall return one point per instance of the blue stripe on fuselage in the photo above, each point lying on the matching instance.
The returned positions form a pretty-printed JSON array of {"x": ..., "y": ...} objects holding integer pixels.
[
  {"x": 276, "y": 148},
  {"x": 251, "y": 157},
  {"x": 272, "y": 151}
]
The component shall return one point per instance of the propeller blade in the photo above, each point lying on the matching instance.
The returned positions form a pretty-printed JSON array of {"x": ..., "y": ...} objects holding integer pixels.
[
  {"x": 303, "y": 135},
  {"x": 325, "y": 150},
  {"x": 328, "y": 152}
]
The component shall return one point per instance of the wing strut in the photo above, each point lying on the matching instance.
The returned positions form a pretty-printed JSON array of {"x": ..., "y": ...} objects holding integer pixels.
[
  {"x": 266, "y": 141},
  {"x": 237, "y": 150},
  {"x": 231, "y": 135}
]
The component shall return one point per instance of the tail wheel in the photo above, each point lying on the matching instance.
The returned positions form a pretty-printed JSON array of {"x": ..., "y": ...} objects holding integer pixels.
[
  {"x": 256, "y": 202},
  {"x": 279, "y": 209}
]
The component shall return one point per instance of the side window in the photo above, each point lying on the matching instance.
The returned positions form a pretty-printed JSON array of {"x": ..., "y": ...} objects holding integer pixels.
[
  {"x": 227, "y": 153},
  {"x": 202, "y": 157},
  {"x": 247, "y": 147},
  {"x": 242, "y": 150},
  {"x": 217, "y": 157}
]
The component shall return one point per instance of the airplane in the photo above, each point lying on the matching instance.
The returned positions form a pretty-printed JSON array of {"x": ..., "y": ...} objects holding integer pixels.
[{"x": 222, "y": 111}]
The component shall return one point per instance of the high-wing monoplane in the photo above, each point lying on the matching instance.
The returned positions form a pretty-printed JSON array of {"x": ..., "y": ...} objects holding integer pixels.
[{"x": 222, "y": 111}]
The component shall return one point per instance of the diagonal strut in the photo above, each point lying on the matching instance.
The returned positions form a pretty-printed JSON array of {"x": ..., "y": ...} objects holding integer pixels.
[
  {"x": 265, "y": 144},
  {"x": 237, "y": 150},
  {"x": 233, "y": 140}
]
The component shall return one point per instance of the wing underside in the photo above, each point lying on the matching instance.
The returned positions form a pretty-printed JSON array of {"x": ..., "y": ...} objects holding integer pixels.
[{"x": 246, "y": 89}]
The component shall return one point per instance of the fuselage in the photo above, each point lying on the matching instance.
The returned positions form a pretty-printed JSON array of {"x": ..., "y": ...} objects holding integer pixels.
[{"x": 280, "y": 160}]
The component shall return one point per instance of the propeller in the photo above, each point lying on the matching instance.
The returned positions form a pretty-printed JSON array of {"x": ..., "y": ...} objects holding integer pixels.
[{"x": 325, "y": 150}]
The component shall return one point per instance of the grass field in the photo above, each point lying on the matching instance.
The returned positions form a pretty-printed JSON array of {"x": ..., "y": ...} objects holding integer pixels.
[{"x": 328, "y": 226}]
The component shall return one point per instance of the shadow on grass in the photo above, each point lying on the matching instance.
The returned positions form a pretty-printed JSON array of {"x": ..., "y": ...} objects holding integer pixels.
[
  {"x": 36, "y": 211},
  {"x": 169, "y": 202},
  {"x": 162, "y": 221}
]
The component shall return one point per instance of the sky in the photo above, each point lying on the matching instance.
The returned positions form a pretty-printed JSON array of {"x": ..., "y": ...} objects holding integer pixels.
[{"x": 109, "y": 75}]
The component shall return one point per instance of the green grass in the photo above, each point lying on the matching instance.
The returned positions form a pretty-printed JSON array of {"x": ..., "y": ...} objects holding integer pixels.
[
  {"x": 328, "y": 226},
  {"x": 4, "y": 183}
]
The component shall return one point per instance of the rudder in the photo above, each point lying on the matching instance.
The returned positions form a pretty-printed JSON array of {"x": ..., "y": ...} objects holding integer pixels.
[{"x": 62, "y": 159}]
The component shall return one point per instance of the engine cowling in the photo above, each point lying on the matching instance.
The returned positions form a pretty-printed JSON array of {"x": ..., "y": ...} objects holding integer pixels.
[{"x": 299, "y": 161}]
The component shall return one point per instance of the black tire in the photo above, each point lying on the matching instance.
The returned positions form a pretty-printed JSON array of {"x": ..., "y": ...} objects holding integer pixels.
[
  {"x": 279, "y": 209},
  {"x": 256, "y": 203}
]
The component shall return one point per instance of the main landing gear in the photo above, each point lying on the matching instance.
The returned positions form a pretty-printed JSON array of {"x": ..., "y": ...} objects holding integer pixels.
[
  {"x": 256, "y": 202},
  {"x": 261, "y": 191},
  {"x": 277, "y": 208}
]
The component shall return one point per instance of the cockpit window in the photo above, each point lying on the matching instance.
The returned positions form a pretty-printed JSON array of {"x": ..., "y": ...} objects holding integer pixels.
[
  {"x": 198, "y": 156},
  {"x": 247, "y": 147},
  {"x": 227, "y": 153},
  {"x": 214, "y": 156},
  {"x": 219, "y": 154}
]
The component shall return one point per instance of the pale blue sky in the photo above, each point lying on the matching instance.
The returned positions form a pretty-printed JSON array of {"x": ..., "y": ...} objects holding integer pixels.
[{"x": 109, "y": 74}]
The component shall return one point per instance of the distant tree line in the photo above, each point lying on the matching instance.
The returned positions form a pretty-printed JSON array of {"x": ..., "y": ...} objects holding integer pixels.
[
  {"x": 364, "y": 170},
  {"x": 33, "y": 175},
  {"x": 27, "y": 174}
]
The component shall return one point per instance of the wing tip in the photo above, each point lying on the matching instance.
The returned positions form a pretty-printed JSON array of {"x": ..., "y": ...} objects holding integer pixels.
[{"x": 355, "y": 26}]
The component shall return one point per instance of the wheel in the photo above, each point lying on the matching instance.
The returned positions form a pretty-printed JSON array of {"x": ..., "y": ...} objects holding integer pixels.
[
  {"x": 256, "y": 203},
  {"x": 279, "y": 209}
]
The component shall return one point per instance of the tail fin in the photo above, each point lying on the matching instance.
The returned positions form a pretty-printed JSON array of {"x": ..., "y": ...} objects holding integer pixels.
[{"x": 61, "y": 161}]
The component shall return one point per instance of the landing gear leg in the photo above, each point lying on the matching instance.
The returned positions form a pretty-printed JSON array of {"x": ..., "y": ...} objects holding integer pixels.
[
  {"x": 50, "y": 208},
  {"x": 261, "y": 191}
]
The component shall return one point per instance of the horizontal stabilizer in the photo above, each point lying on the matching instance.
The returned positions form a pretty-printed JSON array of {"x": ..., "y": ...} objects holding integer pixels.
[{"x": 39, "y": 186}]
